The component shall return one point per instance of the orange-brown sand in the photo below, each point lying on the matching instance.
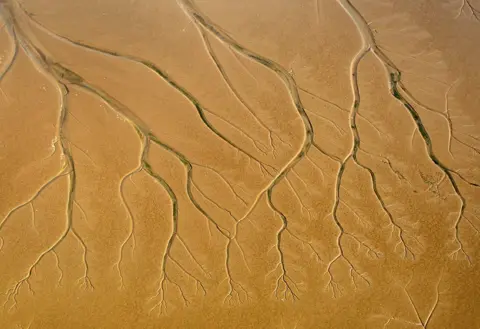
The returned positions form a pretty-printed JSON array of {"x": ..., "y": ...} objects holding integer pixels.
[{"x": 239, "y": 164}]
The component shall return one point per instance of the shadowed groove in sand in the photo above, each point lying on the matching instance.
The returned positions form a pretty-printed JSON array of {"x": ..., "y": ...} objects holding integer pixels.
[
  {"x": 11, "y": 61},
  {"x": 271, "y": 65},
  {"x": 201, "y": 110},
  {"x": 467, "y": 8},
  {"x": 62, "y": 73},
  {"x": 286, "y": 286},
  {"x": 288, "y": 79},
  {"x": 68, "y": 169},
  {"x": 420, "y": 321},
  {"x": 396, "y": 89},
  {"x": 62, "y": 77}
]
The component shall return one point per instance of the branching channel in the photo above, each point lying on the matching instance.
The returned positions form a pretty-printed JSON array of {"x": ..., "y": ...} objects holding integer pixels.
[{"x": 260, "y": 154}]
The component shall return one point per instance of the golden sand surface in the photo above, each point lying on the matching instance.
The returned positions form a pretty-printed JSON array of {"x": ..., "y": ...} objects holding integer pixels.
[{"x": 240, "y": 164}]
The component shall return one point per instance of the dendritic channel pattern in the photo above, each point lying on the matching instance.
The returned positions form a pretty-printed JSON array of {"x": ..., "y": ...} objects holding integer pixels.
[{"x": 286, "y": 285}]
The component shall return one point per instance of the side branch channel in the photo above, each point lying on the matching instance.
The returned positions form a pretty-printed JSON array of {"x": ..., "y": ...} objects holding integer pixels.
[
  {"x": 68, "y": 169},
  {"x": 63, "y": 77},
  {"x": 287, "y": 78},
  {"x": 396, "y": 89},
  {"x": 285, "y": 286},
  {"x": 284, "y": 279},
  {"x": 147, "y": 136},
  {"x": 201, "y": 110},
  {"x": 12, "y": 60}
]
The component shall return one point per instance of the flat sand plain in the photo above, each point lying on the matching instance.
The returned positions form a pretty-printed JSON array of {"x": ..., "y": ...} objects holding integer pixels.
[{"x": 240, "y": 164}]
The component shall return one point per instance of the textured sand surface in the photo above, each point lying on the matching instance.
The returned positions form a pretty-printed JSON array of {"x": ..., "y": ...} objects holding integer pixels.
[{"x": 240, "y": 164}]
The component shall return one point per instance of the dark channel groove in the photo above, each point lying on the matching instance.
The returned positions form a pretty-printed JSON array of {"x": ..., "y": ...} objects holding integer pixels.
[
  {"x": 152, "y": 67},
  {"x": 286, "y": 287},
  {"x": 394, "y": 78}
]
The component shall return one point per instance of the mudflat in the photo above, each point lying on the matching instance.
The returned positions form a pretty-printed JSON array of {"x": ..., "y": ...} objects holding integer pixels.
[{"x": 239, "y": 164}]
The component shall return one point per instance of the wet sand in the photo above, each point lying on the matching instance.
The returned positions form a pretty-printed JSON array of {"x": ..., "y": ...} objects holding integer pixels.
[{"x": 227, "y": 164}]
